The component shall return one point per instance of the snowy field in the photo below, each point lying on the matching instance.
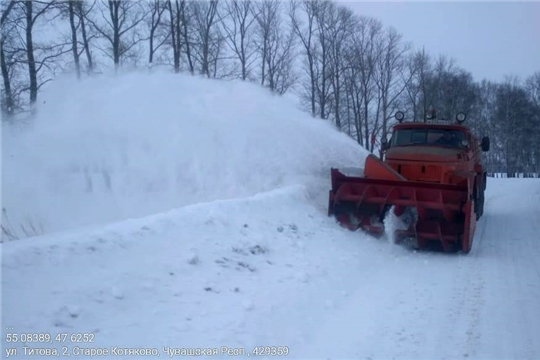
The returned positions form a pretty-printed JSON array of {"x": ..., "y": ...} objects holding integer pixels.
[{"x": 240, "y": 252}]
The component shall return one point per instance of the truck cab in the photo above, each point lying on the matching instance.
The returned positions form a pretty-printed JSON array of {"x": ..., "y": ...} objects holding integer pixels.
[
  {"x": 438, "y": 151},
  {"x": 430, "y": 176}
]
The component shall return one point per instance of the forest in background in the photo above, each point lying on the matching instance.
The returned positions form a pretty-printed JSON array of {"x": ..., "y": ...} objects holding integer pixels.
[{"x": 347, "y": 68}]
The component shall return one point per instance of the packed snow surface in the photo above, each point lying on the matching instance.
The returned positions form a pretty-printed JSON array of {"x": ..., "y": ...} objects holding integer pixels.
[
  {"x": 266, "y": 272},
  {"x": 273, "y": 270},
  {"x": 111, "y": 148}
]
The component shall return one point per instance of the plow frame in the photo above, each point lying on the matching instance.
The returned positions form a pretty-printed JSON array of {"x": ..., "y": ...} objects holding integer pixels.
[{"x": 445, "y": 211}]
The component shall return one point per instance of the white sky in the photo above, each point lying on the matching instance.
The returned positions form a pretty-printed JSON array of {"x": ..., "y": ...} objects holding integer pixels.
[{"x": 489, "y": 39}]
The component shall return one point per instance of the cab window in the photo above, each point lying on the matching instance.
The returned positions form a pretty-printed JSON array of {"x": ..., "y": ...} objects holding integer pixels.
[{"x": 436, "y": 137}]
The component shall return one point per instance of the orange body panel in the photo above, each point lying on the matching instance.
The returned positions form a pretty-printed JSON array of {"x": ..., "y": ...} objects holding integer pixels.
[
  {"x": 443, "y": 187},
  {"x": 376, "y": 169}
]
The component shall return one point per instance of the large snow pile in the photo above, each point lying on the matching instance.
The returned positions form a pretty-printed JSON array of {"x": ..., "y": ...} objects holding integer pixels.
[
  {"x": 110, "y": 148},
  {"x": 229, "y": 273}
]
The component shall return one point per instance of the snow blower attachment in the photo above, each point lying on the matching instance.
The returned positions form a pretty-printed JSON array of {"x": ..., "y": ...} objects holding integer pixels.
[{"x": 431, "y": 178}]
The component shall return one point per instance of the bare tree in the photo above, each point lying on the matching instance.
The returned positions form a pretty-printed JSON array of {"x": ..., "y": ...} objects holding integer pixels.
[
  {"x": 267, "y": 19},
  {"x": 353, "y": 96},
  {"x": 306, "y": 37},
  {"x": 281, "y": 75},
  {"x": 532, "y": 84},
  {"x": 366, "y": 56},
  {"x": 207, "y": 33},
  {"x": 180, "y": 26},
  {"x": 340, "y": 29},
  {"x": 512, "y": 111},
  {"x": 42, "y": 55},
  {"x": 323, "y": 59},
  {"x": 239, "y": 33},
  {"x": 120, "y": 27},
  {"x": 32, "y": 70},
  {"x": 13, "y": 59},
  {"x": 390, "y": 65},
  {"x": 7, "y": 95},
  {"x": 425, "y": 74},
  {"x": 419, "y": 70},
  {"x": 276, "y": 47},
  {"x": 27, "y": 64},
  {"x": 74, "y": 41},
  {"x": 82, "y": 12},
  {"x": 74, "y": 12},
  {"x": 457, "y": 93},
  {"x": 483, "y": 123},
  {"x": 187, "y": 41},
  {"x": 156, "y": 10},
  {"x": 31, "y": 18},
  {"x": 175, "y": 30}
]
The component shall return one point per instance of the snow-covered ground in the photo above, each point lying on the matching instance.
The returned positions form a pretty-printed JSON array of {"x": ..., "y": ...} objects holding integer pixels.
[
  {"x": 267, "y": 268},
  {"x": 273, "y": 270}
]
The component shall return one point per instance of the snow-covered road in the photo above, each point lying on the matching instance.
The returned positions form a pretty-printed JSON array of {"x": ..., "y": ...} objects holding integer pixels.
[
  {"x": 273, "y": 270},
  {"x": 485, "y": 305}
]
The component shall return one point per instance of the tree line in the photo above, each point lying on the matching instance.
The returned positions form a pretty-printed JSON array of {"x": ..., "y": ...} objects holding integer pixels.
[{"x": 346, "y": 68}]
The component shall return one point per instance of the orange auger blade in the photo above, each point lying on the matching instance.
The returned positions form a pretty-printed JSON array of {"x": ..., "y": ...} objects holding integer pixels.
[{"x": 443, "y": 210}]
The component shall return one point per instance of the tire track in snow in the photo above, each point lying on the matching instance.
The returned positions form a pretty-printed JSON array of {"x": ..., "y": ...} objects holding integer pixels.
[
  {"x": 474, "y": 293},
  {"x": 510, "y": 317},
  {"x": 529, "y": 251},
  {"x": 404, "y": 308},
  {"x": 423, "y": 305},
  {"x": 466, "y": 298}
]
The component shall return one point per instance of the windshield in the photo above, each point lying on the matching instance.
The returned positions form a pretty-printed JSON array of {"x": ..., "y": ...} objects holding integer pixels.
[{"x": 437, "y": 137}]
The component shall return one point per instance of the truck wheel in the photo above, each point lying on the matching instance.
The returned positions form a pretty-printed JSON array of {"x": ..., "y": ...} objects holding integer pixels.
[
  {"x": 476, "y": 206},
  {"x": 468, "y": 249},
  {"x": 482, "y": 201},
  {"x": 478, "y": 196},
  {"x": 479, "y": 208}
]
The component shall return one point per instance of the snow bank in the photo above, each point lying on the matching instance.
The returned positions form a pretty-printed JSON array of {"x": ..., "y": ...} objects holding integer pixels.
[
  {"x": 111, "y": 148},
  {"x": 238, "y": 273}
]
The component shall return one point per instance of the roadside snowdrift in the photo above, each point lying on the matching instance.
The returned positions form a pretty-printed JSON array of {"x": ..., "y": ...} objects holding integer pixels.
[
  {"x": 238, "y": 273},
  {"x": 111, "y": 148}
]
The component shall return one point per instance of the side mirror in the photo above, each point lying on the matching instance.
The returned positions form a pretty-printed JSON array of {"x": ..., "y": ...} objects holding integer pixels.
[
  {"x": 385, "y": 145},
  {"x": 485, "y": 143}
]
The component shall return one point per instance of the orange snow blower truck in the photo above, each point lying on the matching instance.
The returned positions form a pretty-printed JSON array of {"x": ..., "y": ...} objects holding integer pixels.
[{"x": 432, "y": 179}]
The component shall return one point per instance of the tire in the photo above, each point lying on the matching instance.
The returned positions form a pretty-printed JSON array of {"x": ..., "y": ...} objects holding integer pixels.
[
  {"x": 478, "y": 196},
  {"x": 466, "y": 251},
  {"x": 482, "y": 201},
  {"x": 476, "y": 207}
]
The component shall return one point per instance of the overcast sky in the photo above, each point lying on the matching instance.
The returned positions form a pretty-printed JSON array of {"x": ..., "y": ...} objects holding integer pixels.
[{"x": 489, "y": 39}]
